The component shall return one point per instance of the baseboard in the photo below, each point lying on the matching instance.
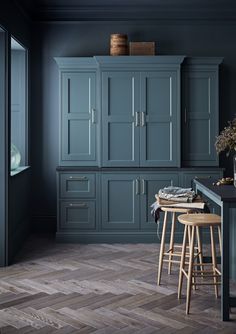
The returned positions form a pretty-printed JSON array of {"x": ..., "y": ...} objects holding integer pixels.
[
  {"x": 111, "y": 237},
  {"x": 44, "y": 224}
]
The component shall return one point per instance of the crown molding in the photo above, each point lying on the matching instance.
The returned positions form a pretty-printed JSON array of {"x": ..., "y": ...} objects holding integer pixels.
[{"x": 128, "y": 12}]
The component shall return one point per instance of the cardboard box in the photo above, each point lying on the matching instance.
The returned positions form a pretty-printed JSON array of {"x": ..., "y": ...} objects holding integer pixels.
[{"x": 142, "y": 48}]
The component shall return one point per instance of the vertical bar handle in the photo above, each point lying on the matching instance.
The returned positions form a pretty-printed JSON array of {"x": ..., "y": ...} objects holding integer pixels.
[
  {"x": 185, "y": 115},
  {"x": 136, "y": 118},
  {"x": 143, "y": 187},
  {"x": 93, "y": 115},
  {"x": 136, "y": 186},
  {"x": 143, "y": 121}
]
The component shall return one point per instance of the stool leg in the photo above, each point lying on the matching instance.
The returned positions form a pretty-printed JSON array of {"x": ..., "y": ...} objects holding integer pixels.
[
  {"x": 171, "y": 242},
  {"x": 182, "y": 262},
  {"x": 190, "y": 269},
  {"x": 213, "y": 254},
  {"x": 162, "y": 248},
  {"x": 199, "y": 246},
  {"x": 220, "y": 241},
  {"x": 189, "y": 238}
]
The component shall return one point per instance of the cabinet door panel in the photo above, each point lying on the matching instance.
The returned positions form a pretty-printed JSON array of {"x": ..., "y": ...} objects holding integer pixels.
[
  {"x": 120, "y": 202},
  {"x": 77, "y": 215},
  {"x": 200, "y": 121},
  {"x": 78, "y": 118},
  {"x": 120, "y": 103},
  {"x": 150, "y": 185},
  {"x": 159, "y": 132}
]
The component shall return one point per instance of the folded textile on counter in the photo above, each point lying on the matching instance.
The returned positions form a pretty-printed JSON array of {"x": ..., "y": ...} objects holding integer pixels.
[
  {"x": 177, "y": 197},
  {"x": 197, "y": 203},
  {"x": 177, "y": 193}
]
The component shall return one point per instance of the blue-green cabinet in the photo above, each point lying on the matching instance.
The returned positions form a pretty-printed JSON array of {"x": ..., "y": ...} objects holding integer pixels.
[
  {"x": 120, "y": 118},
  {"x": 160, "y": 119},
  {"x": 127, "y": 197},
  {"x": 77, "y": 215},
  {"x": 200, "y": 111},
  {"x": 140, "y": 111},
  {"x": 129, "y": 126},
  {"x": 77, "y": 201},
  {"x": 120, "y": 201},
  {"x": 78, "y": 112}
]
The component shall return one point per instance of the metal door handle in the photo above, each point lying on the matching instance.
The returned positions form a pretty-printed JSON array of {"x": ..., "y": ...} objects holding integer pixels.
[
  {"x": 78, "y": 205},
  {"x": 136, "y": 118},
  {"x": 143, "y": 121},
  {"x": 143, "y": 187},
  {"x": 137, "y": 186},
  {"x": 185, "y": 115},
  {"x": 93, "y": 115},
  {"x": 78, "y": 178}
]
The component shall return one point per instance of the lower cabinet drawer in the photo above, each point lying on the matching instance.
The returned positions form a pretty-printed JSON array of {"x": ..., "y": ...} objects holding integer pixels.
[
  {"x": 77, "y": 185},
  {"x": 77, "y": 215}
]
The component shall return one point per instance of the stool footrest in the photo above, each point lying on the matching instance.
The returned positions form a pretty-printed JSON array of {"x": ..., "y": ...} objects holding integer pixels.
[
  {"x": 205, "y": 283},
  {"x": 172, "y": 261},
  {"x": 172, "y": 254},
  {"x": 203, "y": 276}
]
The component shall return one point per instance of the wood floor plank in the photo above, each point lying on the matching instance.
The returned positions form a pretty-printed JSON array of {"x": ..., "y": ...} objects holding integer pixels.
[{"x": 103, "y": 289}]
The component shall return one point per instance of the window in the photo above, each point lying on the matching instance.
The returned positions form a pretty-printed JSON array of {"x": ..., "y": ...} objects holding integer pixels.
[{"x": 19, "y": 107}]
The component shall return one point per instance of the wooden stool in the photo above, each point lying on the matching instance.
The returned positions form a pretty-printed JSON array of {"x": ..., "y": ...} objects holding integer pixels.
[
  {"x": 171, "y": 251},
  {"x": 192, "y": 223}
]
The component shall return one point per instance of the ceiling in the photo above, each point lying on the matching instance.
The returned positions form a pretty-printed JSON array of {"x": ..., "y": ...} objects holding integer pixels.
[{"x": 129, "y": 9}]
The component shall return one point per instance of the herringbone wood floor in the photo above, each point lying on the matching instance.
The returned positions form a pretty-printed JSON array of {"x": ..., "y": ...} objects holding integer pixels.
[{"x": 99, "y": 288}]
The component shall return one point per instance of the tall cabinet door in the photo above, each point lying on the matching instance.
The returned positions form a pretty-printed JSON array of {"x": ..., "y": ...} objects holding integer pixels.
[
  {"x": 120, "y": 198},
  {"x": 160, "y": 119},
  {"x": 200, "y": 115},
  {"x": 150, "y": 184},
  {"x": 120, "y": 107},
  {"x": 78, "y": 123}
]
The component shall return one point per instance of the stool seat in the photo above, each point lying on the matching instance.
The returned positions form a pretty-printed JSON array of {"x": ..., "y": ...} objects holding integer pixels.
[
  {"x": 200, "y": 219},
  {"x": 178, "y": 210}
]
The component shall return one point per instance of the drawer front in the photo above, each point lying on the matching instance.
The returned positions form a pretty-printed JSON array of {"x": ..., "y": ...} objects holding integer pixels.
[
  {"x": 76, "y": 215},
  {"x": 77, "y": 185}
]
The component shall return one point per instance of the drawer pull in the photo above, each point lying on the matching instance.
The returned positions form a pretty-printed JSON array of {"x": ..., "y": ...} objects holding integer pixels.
[
  {"x": 78, "y": 205},
  {"x": 78, "y": 178},
  {"x": 202, "y": 177}
]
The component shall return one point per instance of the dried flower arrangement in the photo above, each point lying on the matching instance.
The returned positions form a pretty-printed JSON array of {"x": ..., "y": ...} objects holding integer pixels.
[{"x": 227, "y": 138}]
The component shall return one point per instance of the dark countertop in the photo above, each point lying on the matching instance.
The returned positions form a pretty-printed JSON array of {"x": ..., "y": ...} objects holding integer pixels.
[
  {"x": 225, "y": 193},
  {"x": 140, "y": 169}
]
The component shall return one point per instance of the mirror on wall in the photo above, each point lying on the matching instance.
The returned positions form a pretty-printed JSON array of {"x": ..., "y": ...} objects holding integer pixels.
[{"x": 19, "y": 107}]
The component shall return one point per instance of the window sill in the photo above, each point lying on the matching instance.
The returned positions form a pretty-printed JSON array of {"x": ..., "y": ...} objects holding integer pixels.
[{"x": 19, "y": 170}]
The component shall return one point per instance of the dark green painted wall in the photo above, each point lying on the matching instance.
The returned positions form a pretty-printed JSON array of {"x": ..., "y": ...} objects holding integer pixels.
[{"x": 17, "y": 198}]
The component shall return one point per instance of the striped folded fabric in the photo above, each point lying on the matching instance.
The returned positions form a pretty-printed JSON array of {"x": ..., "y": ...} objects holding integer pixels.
[{"x": 197, "y": 203}]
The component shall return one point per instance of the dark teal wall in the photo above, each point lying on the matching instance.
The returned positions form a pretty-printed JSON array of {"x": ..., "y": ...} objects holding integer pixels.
[
  {"x": 19, "y": 212},
  {"x": 92, "y": 38},
  {"x": 18, "y": 196}
]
